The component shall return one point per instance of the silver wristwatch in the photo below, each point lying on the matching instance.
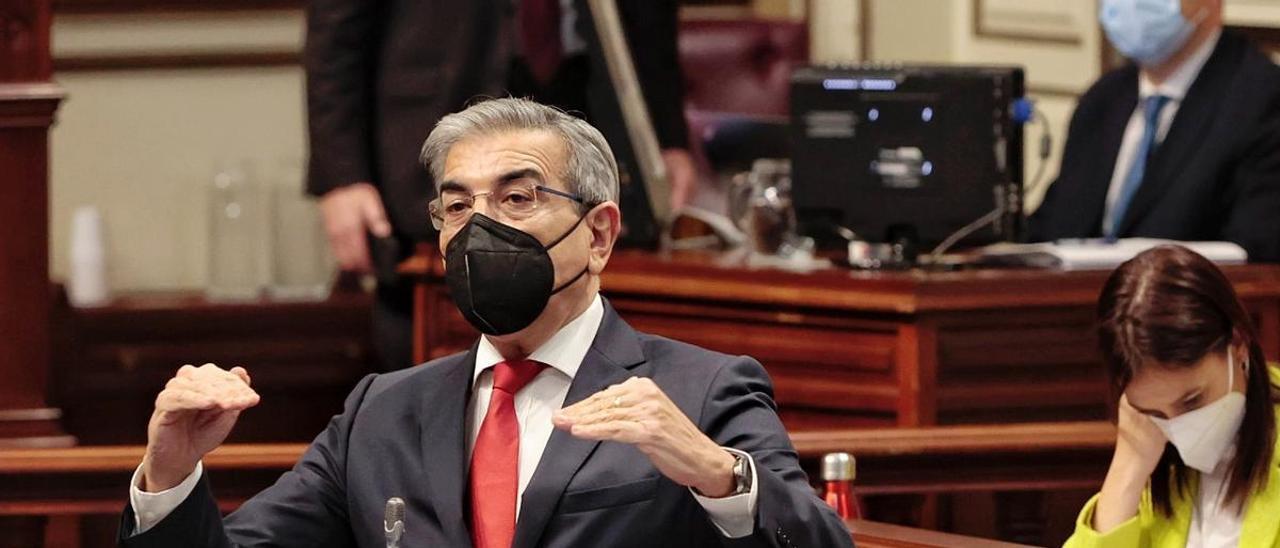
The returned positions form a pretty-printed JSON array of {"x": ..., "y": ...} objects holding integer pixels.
[{"x": 741, "y": 474}]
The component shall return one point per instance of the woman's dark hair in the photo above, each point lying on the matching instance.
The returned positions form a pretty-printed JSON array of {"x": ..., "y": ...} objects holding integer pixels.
[{"x": 1169, "y": 307}]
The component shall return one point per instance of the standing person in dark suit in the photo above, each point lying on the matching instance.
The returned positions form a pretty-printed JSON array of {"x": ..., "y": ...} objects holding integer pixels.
[
  {"x": 562, "y": 427},
  {"x": 380, "y": 72},
  {"x": 1183, "y": 144}
]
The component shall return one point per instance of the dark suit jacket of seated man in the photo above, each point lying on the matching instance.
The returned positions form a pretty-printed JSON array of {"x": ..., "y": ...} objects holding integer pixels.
[
  {"x": 1215, "y": 175},
  {"x": 658, "y": 443}
]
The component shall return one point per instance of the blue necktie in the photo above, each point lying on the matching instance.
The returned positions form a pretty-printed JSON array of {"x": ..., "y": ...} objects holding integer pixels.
[{"x": 1151, "y": 115}]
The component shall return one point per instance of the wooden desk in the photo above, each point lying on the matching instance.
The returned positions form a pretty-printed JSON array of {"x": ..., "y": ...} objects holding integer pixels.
[{"x": 848, "y": 348}]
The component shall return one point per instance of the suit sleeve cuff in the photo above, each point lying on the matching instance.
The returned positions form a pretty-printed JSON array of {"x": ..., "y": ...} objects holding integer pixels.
[
  {"x": 151, "y": 508},
  {"x": 734, "y": 516}
]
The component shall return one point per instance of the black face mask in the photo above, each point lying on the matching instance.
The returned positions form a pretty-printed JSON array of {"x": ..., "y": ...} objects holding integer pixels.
[{"x": 501, "y": 277}]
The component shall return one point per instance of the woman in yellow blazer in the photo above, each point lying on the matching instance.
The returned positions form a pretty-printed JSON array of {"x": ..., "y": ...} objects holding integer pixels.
[{"x": 1196, "y": 462}]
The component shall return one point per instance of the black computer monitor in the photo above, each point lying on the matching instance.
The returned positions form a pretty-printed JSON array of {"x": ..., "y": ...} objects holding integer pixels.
[{"x": 901, "y": 151}]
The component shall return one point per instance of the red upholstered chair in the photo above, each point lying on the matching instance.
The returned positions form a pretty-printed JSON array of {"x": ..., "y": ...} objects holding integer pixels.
[
  {"x": 736, "y": 70},
  {"x": 741, "y": 66}
]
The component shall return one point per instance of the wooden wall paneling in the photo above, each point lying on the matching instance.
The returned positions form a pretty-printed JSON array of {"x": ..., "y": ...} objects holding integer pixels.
[
  {"x": 99, "y": 7},
  {"x": 27, "y": 105},
  {"x": 444, "y": 330},
  {"x": 1008, "y": 366},
  {"x": 111, "y": 7},
  {"x": 848, "y": 372},
  {"x": 304, "y": 358},
  {"x": 62, "y": 532},
  {"x": 1266, "y": 318},
  {"x": 173, "y": 61}
]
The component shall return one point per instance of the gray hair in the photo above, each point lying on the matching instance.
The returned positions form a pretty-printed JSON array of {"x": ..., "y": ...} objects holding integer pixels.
[{"x": 591, "y": 171}]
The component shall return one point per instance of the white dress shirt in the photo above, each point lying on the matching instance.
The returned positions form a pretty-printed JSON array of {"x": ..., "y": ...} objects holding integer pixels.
[
  {"x": 734, "y": 516},
  {"x": 1175, "y": 88},
  {"x": 1214, "y": 524}
]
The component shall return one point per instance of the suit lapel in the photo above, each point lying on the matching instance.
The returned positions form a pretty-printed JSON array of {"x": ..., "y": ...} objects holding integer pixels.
[
  {"x": 1186, "y": 134},
  {"x": 1092, "y": 197},
  {"x": 441, "y": 430},
  {"x": 615, "y": 351},
  {"x": 1112, "y": 136}
]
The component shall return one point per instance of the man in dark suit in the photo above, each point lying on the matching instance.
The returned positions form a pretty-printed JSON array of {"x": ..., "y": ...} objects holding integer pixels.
[
  {"x": 381, "y": 72},
  {"x": 561, "y": 427},
  {"x": 1183, "y": 144}
]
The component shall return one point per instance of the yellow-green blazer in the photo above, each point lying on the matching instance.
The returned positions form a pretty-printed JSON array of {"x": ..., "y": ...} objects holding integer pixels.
[{"x": 1150, "y": 529}]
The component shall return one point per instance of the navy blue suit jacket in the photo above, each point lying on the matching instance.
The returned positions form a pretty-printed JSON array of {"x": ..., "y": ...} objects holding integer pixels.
[
  {"x": 1216, "y": 176},
  {"x": 402, "y": 435}
]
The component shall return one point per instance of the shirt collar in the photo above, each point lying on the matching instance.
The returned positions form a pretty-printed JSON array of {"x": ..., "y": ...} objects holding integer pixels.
[
  {"x": 563, "y": 352},
  {"x": 1176, "y": 85}
]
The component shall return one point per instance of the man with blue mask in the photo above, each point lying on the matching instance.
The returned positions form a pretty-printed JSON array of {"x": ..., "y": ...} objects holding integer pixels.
[{"x": 1183, "y": 143}]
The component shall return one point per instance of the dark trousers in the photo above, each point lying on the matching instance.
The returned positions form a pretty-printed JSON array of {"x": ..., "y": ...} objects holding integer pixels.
[
  {"x": 567, "y": 90},
  {"x": 393, "y": 326}
]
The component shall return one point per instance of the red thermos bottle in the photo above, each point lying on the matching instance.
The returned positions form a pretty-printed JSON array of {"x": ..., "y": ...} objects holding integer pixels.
[{"x": 838, "y": 473}]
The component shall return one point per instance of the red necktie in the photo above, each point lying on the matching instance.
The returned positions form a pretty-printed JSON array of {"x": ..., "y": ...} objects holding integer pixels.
[
  {"x": 495, "y": 471},
  {"x": 540, "y": 37}
]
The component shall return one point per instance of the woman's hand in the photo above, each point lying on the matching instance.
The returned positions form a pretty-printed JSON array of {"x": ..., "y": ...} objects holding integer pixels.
[{"x": 1139, "y": 445}]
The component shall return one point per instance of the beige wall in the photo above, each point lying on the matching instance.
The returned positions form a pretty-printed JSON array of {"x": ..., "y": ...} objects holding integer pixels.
[
  {"x": 1056, "y": 72},
  {"x": 835, "y": 31},
  {"x": 142, "y": 144}
]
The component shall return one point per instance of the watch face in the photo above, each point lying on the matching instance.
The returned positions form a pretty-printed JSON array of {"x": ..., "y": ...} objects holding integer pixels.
[{"x": 741, "y": 474}]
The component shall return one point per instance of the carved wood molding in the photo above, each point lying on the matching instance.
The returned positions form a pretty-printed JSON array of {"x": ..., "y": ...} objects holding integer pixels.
[
  {"x": 25, "y": 105},
  {"x": 142, "y": 6},
  {"x": 736, "y": 8},
  {"x": 124, "y": 458},
  {"x": 177, "y": 61},
  {"x": 980, "y": 27}
]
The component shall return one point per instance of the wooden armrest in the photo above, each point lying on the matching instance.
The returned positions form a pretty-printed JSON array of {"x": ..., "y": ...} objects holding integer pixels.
[
  {"x": 956, "y": 440},
  {"x": 870, "y": 534},
  {"x": 125, "y": 458}
]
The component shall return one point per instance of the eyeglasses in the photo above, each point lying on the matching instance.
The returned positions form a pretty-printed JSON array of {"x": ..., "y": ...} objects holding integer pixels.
[{"x": 510, "y": 202}]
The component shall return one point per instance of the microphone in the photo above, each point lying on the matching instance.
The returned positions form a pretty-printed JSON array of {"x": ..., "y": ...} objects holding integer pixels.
[{"x": 393, "y": 521}]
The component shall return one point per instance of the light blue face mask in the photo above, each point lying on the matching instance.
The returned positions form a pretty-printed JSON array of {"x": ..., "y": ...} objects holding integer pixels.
[{"x": 1146, "y": 31}]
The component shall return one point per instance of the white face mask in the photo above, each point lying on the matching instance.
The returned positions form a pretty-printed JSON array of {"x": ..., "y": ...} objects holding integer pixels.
[{"x": 1204, "y": 436}]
